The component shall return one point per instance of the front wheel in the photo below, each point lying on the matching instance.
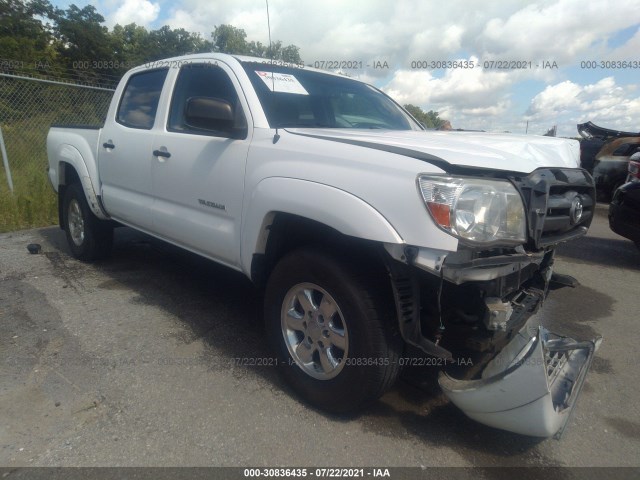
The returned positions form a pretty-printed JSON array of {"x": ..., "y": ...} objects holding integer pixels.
[
  {"x": 88, "y": 237},
  {"x": 331, "y": 325}
]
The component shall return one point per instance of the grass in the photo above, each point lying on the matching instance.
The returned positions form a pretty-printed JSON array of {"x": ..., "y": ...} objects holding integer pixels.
[
  {"x": 33, "y": 202},
  {"x": 27, "y": 110}
]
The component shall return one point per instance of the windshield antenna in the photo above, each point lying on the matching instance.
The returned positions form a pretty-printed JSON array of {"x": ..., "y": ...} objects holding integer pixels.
[{"x": 276, "y": 137}]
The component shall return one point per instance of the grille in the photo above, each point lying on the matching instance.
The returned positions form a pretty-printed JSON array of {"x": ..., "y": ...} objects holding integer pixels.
[
  {"x": 560, "y": 204},
  {"x": 554, "y": 362}
]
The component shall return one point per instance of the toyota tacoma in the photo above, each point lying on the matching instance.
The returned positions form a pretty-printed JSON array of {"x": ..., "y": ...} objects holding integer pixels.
[{"x": 375, "y": 240}]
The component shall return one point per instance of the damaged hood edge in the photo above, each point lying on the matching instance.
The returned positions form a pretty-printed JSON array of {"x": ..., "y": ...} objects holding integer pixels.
[{"x": 452, "y": 150}]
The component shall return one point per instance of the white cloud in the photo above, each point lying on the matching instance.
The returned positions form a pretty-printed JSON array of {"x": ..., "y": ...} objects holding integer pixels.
[
  {"x": 471, "y": 86},
  {"x": 604, "y": 102},
  {"x": 565, "y": 31},
  {"x": 468, "y": 98},
  {"x": 557, "y": 30},
  {"x": 628, "y": 51},
  {"x": 406, "y": 30},
  {"x": 555, "y": 99},
  {"x": 140, "y": 12}
]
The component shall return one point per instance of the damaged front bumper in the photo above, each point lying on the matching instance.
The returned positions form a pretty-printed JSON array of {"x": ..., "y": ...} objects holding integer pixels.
[{"x": 530, "y": 387}]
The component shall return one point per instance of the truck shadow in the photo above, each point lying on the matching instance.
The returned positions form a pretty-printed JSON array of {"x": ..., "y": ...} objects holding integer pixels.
[
  {"x": 222, "y": 308},
  {"x": 620, "y": 252}
]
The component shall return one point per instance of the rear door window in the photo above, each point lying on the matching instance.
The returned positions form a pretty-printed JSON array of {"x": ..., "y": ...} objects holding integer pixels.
[{"x": 140, "y": 98}]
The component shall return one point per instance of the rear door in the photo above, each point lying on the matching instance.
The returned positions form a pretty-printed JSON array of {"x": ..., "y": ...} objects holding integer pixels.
[
  {"x": 198, "y": 173},
  {"x": 125, "y": 150}
]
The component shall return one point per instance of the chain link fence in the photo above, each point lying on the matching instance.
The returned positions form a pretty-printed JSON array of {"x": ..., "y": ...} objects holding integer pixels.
[{"x": 28, "y": 108}]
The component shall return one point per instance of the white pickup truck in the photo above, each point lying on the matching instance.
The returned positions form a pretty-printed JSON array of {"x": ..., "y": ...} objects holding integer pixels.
[{"x": 379, "y": 244}]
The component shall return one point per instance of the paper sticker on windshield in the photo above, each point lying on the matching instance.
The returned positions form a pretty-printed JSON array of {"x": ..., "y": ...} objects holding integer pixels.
[{"x": 282, "y": 82}]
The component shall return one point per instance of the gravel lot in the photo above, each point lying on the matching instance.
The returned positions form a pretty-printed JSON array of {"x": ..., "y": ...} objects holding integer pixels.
[{"x": 129, "y": 362}]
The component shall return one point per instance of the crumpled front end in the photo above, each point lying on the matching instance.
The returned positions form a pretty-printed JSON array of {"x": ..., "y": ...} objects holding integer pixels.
[
  {"x": 530, "y": 387},
  {"x": 472, "y": 307}
]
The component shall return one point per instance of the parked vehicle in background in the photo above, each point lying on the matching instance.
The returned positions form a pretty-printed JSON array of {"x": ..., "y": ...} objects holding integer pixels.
[
  {"x": 624, "y": 210},
  {"x": 610, "y": 163},
  {"x": 589, "y": 148},
  {"x": 371, "y": 236},
  {"x": 633, "y": 174}
]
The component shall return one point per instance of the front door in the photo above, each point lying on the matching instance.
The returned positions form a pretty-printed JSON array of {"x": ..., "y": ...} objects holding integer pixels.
[{"x": 198, "y": 173}]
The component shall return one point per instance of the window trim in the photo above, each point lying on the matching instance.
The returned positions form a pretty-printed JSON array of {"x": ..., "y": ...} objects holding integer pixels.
[
  {"x": 206, "y": 133},
  {"x": 124, "y": 90}
]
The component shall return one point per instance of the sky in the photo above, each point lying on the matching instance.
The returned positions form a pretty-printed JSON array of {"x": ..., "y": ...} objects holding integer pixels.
[{"x": 570, "y": 52}]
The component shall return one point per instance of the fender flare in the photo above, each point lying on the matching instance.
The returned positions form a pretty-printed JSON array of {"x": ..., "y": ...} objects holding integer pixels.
[
  {"x": 338, "y": 209},
  {"x": 68, "y": 154}
]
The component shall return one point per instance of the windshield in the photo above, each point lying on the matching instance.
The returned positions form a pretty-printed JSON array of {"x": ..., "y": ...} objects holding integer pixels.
[{"x": 296, "y": 97}]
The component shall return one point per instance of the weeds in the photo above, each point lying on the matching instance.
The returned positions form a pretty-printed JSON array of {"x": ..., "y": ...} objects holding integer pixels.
[
  {"x": 27, "y": 110},
  {"x": 33, "y": 202}
]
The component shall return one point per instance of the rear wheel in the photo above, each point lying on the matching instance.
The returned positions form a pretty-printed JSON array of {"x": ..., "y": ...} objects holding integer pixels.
[
  {"x": 88, "y": 237},
  {"x": 331, "y": 326}
]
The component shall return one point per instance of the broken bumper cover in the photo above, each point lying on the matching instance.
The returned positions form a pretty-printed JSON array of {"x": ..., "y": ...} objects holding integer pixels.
[{"x": 530, "y": 387}]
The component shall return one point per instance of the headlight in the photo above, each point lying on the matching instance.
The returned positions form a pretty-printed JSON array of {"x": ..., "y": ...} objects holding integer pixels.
[{"x": 477, "y": 211}]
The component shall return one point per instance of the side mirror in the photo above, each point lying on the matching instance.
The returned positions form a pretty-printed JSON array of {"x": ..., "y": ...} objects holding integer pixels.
[
  {"x": 210, "y": 114},
  {"x": 635, "y": 157}
]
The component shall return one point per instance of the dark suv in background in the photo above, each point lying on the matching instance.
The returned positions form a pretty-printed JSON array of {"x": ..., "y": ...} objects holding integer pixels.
[
  {"x": 605, "y": 154},
  {"x": 624, "y": 211}
]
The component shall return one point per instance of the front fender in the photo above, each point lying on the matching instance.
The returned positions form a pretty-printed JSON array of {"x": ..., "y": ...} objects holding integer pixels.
[{"x": 328, "y": 205}]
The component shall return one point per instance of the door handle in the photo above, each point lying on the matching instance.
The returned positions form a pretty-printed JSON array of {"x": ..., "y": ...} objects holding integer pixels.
[
  {"x": 161, "y": 153},
  {"x": 108, "y": 145}
]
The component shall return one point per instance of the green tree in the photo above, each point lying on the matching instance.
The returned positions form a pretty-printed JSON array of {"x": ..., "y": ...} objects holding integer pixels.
[
  {"x": 24, "y": 38},
  {"x": 167, "y": 42},
  {"x": 290, "y": 53},
  {"x": 84, "y": 45},
  {"x": 429, "y": 119},
  {"x": 230, "y": 39},
  {"x": 135, "y": 45},
  {"x": 130, "y": 43},
  {"x": 75, "y": 43}
]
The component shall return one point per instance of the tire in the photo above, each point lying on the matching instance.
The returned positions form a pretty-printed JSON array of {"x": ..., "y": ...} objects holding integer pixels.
[
  {"x": 315, "y": 303},
  {"x": 88, "y": 237}
]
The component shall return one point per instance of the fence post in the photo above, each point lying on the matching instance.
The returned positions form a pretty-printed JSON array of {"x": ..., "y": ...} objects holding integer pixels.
[{"x": 5, "y": 160}]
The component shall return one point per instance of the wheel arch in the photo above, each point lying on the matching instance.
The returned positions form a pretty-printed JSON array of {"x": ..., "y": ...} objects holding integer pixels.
[
  {"x": 287, "y": 213},
  {"x": 285, "y": 232},
  {"x": 72, "y": 168}
]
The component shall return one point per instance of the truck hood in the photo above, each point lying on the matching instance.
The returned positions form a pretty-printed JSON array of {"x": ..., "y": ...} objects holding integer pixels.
[{"x": 451, "y": 150}]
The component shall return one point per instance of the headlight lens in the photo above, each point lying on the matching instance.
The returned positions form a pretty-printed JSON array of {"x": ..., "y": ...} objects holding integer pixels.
[{"x": 477, "y": 211}]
